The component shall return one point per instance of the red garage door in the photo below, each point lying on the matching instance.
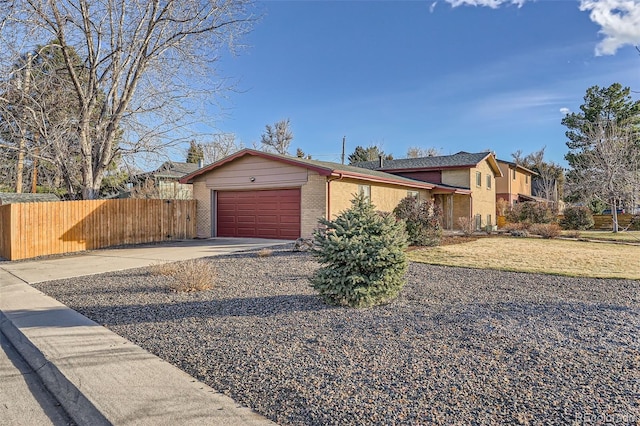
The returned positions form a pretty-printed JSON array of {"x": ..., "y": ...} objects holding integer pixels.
[{"x": 260, "y": 214}]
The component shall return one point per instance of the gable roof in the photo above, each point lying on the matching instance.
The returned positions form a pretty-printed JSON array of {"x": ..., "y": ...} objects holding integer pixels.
[
  {"x": 517, "y": 166},
  {"x": 12, "y": 198},
  {"x": 459, "y": 160},
  {"x": 325, "y": 168}
]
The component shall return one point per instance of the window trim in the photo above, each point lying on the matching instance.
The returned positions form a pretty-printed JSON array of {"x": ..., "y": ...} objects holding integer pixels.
[
  {"x": 479, "y": 179},
  {"x": 366, "y": 190},
  {"x": 489, "y": 184}
]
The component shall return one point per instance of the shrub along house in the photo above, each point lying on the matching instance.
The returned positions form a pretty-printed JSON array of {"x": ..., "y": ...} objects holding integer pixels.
[
  {"x": 257, "y": 194},
  {"x": 471, "y": 177}
]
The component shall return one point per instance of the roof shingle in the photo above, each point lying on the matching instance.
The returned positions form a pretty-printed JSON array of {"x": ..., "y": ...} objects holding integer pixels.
[{"x": 460, "y": 159}]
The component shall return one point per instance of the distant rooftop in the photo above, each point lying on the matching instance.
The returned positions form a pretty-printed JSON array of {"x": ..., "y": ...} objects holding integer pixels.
[
  {"x": 171, "y": 170},
  {"x": 12, "y": 198}
]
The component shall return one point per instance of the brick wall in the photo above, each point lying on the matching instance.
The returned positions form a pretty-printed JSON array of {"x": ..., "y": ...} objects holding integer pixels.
[
  {"x": 484, "y": 198},
  {"x": 313, "y": 201},
  {"x": 460, "y": 208},
  {"x": 203, "y": 209},
  {"x": 384, "y": 197}
]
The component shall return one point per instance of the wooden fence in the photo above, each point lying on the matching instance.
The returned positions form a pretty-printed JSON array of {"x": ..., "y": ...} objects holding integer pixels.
[
  {"x": 605, "y": 221},
  {"x": 37, "y": 229}
]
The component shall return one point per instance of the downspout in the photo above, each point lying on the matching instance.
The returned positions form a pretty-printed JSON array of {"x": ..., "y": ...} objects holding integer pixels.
[{"x": 329, "y": 180}]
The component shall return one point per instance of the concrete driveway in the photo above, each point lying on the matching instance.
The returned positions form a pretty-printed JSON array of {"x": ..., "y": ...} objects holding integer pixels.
[{"x": 117, "y": 259}]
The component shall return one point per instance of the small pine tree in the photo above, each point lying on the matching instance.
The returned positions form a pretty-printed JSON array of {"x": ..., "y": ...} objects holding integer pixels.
[
  {"x": 195, "y": 152},
  {"x": 363, "y": 259}
]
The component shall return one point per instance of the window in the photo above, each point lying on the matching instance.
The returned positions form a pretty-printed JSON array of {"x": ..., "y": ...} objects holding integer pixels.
[
  {"x": 365, "y": 190},
  {"x": 413, "y": 194},
  {"x": 478, "y": 222},
  {"x": 513, "y": 173},
  {"x": 489, "y": 223},
  {"x": 488, "y": 181},
  {"x": 526, "y": 179},
  {"x": 478, "y": 179}
]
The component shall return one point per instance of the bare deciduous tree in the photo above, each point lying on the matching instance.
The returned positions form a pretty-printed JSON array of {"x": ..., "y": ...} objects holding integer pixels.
[
  {"x": 609, "y": 169},
  {"x": 549, "y": 181},
  {"x": 277, "y": 137},
  {"x": 143, "y": 65},
  {"x": 223, "y": 145},
  {"x": 417, "y": 152}
]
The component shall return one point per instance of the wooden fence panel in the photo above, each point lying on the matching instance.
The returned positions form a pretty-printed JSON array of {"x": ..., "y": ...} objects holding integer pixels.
[
  {"x": 605, "y": 221},
  {"x": 5, "y": 231},
  {"x": 38, "y": 229}
]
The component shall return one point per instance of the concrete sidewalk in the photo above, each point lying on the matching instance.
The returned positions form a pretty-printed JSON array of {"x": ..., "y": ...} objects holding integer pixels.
[{"x": 98, "y": 376}]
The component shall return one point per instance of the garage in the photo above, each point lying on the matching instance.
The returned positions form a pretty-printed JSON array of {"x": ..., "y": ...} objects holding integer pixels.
[{"x": 259, "y": 214}]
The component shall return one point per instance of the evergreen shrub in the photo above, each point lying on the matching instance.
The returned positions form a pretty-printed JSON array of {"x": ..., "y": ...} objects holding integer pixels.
[
  {"x": 362, "y": 256},
  {"x": 577, "y": 218}
]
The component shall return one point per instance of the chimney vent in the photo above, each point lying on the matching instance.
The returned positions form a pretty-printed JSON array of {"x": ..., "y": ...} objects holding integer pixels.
[
  {"x": 381, "y": 160},
  {"x": 200, "y": 163}
]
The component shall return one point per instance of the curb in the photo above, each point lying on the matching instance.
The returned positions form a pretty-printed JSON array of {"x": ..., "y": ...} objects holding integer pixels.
[{"x": 77, "y": 406}]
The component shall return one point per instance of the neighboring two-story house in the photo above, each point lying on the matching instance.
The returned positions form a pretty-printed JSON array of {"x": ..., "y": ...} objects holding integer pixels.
[
  {"x": 514, "y": 186},
  {"x": 470, "y": 172}
]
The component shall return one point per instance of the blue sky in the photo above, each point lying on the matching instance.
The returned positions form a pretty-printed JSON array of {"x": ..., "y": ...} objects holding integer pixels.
[{"x": 456, "y": 75}]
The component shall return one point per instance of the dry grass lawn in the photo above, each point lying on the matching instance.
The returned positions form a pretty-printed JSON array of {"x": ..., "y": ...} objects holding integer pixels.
[
  {"x": 560, "y": 257},
  {"x": 632, "y": 236}
]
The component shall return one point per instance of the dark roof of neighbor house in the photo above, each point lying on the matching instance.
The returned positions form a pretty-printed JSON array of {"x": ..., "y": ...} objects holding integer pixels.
[
  {"x": 517, "y": 166},
  {"x": 461, "y": 159},
  {"x": 171, "y": 170},
  {"x": 326, "y": 168},
  {"x": 11, "y": 198}
]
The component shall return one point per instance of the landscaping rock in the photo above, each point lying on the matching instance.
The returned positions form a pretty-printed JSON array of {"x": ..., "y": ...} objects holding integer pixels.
[{"x": 459, "y": 346}]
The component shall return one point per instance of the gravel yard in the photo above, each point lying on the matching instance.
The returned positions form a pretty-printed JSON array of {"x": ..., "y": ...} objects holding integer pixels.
[{"x": 459, "y": 346}]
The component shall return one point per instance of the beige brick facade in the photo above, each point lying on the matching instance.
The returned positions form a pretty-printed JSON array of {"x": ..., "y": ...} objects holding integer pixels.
[
  {"x": 203, "y": 208},
  {"x": 385, "y": 197},
  {"x": 313, "y": 200},
  {"x": 483, "y": 196},
  {"x": 461, "y": 208}
]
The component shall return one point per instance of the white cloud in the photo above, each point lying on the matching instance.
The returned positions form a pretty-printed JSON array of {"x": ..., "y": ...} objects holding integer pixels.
[
  {"x": 493, "y": 4},
  {"x": 620, "y": 22},
  {"x": 433, "y": 6},
  {"x": 564, "y": 110}
]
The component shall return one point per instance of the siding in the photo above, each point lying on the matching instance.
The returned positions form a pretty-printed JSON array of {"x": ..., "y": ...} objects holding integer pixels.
[
  {"x": 458, "y": 177},
  {"x": 265, "y": 173},
  {"x": 432, "y": 176}
]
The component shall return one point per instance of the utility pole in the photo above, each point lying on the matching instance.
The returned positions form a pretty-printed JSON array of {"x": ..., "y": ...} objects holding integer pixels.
[{"x": 344, "y": 139}]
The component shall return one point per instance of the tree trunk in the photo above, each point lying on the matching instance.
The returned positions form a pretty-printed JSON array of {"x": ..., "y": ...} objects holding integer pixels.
[
  {"x": 20, "y": 165},
  {"x": 614, "y": 215}
]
